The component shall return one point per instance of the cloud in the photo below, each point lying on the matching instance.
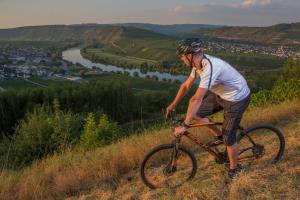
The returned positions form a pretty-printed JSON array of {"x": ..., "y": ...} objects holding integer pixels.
[
  {"x": 245, "y": 12},
  {"x": 249, "y": 3},
  {"x": 189, "y": 9},
  {"x": 177, "y": 8}
]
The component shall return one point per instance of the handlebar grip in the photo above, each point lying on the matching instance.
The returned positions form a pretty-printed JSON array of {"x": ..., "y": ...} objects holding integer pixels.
[{"x": 169, "y": 115}]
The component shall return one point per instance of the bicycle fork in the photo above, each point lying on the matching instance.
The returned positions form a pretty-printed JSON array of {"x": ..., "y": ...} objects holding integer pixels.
[{"x": 172, "y": 165}]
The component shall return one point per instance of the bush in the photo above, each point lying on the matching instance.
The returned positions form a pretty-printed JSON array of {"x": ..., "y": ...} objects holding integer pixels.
[
  {"x": 40, "y": 133},
  {"x": 66, "y": 127},
  {"x": 291, "y": 69},
  {"x": 103, "y": 133},
  {"x": 280, "y": 92}
]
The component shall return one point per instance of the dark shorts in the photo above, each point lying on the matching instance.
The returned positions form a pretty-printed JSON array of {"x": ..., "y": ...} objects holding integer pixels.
[{"x": 233, "y": 112}]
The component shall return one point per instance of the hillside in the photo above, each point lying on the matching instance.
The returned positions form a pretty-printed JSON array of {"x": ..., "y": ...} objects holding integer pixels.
[
  {"x": 111, "y": 172},
  {"x": 141, "y": 46},
  {"x": 286, "y": 34},
  {"x": 173, "y": 29},
  {"x": 81, "y": 33},
  {"x": 114, "y": 39}
]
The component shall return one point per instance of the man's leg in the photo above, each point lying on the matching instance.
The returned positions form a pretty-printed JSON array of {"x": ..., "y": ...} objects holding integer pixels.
[
  {"x": 232, "y": 152},
  {"x": 209, "y": 106},
  {"x": 214, "y": 129},
  {"x": 233, "y": 112}
]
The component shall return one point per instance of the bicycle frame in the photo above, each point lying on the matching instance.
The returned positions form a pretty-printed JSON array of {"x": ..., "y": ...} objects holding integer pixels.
[{"x": 208, "y": 147}]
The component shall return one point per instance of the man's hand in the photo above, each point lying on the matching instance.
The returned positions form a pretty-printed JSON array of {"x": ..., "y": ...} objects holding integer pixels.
[
  {"x": 170, "y": 109},
  {"x": 179, "y": 131}
]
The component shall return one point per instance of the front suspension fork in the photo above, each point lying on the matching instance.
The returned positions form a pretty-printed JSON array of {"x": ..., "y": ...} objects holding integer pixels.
[{"x": 174, "y": 157}]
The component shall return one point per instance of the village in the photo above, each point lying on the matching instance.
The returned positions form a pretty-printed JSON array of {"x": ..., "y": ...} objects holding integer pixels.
[
  {"x": 29, "y": 62},
  {"x": 231, "y": 47}
]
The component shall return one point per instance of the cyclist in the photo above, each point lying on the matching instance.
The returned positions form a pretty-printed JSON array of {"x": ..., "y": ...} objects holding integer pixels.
[{"x": 228, "y": 91}]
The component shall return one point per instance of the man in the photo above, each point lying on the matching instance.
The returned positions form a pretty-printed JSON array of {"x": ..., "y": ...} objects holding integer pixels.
[{"x": 229, "y": 92}]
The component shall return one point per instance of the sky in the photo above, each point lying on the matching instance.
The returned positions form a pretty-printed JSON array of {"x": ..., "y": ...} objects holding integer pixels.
[{"x": 16, "y": 13}]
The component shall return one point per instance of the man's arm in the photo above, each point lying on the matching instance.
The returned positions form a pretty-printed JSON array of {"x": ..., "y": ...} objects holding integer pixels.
[
  {"x": 184, "y": 88},
  {"x": 194, "y": 104}
]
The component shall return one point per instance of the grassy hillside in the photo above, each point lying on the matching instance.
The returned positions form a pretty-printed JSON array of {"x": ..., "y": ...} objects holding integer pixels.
[
  {"x": 287, "y": 34},
  {"x": 142, "y": 44},
  {"x": 54, "y": 33},
  {"x": 111, "y": 172},
  {"x": 92, "y": 32}
]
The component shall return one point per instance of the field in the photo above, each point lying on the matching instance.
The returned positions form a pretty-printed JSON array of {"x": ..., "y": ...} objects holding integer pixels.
[
  {"x": 111, "y": 172},
  {"x": 99, "y": 54},
  {"x": 155, "y": 53},
  {"x": 22, "y": 84}
]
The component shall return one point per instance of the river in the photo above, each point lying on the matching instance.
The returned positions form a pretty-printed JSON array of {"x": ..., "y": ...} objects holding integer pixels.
[{"x": 73, "y": 55}]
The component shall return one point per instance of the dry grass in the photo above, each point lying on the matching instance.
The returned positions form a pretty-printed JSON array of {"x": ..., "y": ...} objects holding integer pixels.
[{"x": 111, "y": 172}]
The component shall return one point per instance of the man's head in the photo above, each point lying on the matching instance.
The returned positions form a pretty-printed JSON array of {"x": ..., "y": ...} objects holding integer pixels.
[{"x": 190, "y": 49}]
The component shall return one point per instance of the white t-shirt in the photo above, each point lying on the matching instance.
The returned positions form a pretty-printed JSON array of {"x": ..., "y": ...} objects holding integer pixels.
[{"x": 226, "y": 81}]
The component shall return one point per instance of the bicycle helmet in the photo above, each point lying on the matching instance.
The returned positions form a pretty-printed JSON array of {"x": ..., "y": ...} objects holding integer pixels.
[{"x": 189, "y": 45}]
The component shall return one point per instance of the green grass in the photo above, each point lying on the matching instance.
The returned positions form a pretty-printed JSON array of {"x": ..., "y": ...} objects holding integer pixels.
[{"x": 100, "y": 54}]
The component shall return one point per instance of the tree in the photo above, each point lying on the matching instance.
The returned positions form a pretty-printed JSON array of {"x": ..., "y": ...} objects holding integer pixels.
[
  {"x": 95, "y": 135},
  {"x": 88, "y": 137},
  {"x": 291, "y": 69}
]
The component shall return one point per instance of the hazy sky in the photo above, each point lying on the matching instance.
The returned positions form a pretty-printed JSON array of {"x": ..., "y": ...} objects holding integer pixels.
[{"x": 14, "y": 13}]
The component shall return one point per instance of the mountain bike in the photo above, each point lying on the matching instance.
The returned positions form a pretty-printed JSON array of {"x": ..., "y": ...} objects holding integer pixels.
[{"x": 171, "y": 165}]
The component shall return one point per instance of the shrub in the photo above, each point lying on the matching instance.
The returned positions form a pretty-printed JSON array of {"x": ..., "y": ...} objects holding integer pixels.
[
  {"x": 280, "y": 92},
  {"x": 103, "y": 133},
  {"x": 40, "y": 133}
]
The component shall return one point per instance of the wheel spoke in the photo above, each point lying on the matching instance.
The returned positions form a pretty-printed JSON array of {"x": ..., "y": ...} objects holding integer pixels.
[
  {"x": 267, "y": 147},
  {"x": 159, "y": 172}
]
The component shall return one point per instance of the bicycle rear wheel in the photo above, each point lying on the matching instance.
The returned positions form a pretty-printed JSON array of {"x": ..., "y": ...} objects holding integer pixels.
[
  {"x": 263, "y": 144},
  {"x": 158, "y": 170}
]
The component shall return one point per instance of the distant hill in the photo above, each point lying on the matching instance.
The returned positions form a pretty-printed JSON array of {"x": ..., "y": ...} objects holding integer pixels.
[
  {"x": 81, "y": 33},
  {"x": 286, "y": 34},
  {"x": 173, "y": 29}
]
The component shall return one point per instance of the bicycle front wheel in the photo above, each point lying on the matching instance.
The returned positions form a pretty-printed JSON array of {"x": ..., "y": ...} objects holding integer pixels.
[
  {"x": 160, "y": 170},
  {"x": 263, "y": 143}
]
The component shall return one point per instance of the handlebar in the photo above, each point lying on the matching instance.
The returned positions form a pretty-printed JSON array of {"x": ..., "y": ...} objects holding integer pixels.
[{"x": 174, "y": 118}]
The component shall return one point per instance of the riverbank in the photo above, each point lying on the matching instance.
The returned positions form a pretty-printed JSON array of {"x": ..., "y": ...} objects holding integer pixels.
[
  {"x": 74, "y": 55},
  {"x": 131, "y": 62}
]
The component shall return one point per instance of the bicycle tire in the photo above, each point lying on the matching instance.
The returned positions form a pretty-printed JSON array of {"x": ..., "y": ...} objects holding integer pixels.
[
  {"x": 160, "y": 148},
  {"x": 261, "y": 128}
]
